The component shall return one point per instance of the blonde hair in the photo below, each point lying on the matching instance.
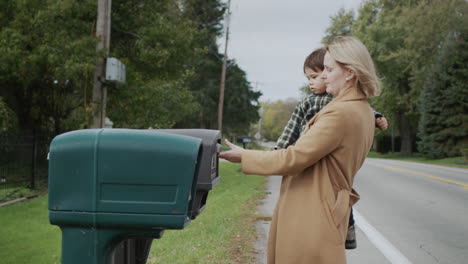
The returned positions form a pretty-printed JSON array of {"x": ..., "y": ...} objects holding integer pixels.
[{"x": 351, "y": 54}]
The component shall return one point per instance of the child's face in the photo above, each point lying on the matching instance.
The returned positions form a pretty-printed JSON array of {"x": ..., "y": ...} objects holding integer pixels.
[{"x": 316, "y": 83}]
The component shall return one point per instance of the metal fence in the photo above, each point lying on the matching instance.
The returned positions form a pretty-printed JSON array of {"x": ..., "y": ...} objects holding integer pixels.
[{"x": 23, "y": 163}]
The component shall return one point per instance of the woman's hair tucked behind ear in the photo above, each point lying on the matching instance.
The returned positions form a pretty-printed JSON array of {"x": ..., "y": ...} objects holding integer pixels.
[{"x": 350, "y": 53}]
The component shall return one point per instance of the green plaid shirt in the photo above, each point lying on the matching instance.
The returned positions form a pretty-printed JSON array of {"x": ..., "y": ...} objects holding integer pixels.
[{"x": 304, "y": 111}]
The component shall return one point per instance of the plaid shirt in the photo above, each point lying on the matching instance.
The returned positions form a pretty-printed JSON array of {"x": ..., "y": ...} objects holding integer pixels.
[{"x": 304, "y": 111}]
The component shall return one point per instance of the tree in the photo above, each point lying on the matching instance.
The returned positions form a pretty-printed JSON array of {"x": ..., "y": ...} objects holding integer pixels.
[
  {"x": 444, "y": 100},
  {"x": 275, "y": 117},
  {"x": 208, "y": 15},
  {"x": 241, "y": 101},
  {"x": 341, "y": 25},
  {"x": 305, "y": 90},
  {"x": 48, "y": 56},
  {"x": 46, "y": 50},
  {"x": 402, "y": 37},
  {"x": 157, "y": 44}
]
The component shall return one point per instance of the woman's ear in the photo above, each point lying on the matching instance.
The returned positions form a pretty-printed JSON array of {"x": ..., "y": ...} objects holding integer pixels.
[{"x": 350, "y": 74}]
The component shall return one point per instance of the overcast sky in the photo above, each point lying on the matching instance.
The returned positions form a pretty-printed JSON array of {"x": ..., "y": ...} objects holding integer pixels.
[{"x": 269, "y": 39}]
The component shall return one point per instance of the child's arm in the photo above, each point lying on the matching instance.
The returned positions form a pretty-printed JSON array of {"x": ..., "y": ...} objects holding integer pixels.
[{"x": 292, "y": 130}]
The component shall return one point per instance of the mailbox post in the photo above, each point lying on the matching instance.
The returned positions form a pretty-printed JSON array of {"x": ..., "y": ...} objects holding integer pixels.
[
  {"x": 110, "y": 185},
  {"x": 244, "y": 140}
]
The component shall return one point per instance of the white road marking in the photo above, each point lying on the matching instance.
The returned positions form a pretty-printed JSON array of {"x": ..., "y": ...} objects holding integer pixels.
[{"x": 380, "y": 242}]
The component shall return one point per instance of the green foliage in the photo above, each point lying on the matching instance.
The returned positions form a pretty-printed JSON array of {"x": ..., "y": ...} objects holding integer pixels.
[
  {"x": 240, "y": 100},
  {"x": 151, "y": 104},
  {"x": 403, "y": 37},
  {"x": 156, "y": 44},
  {"x": 48, "y": 56},
  {"x": 275, "y": 117},
  {"x": 341, "y": 25},
  {"x": 46, "y": 49},
  {"x": 444, "y": 100},
  {"x": 241, "y": 104},
  {"x": 304, "y": 91},
  {"x": 174, "y": 67},
  {"x": 208, "y": 15},
  {"x": 8, "y": 120}
]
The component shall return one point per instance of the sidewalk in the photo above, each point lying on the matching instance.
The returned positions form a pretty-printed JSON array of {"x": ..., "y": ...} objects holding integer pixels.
[{"x": 365, "y": 252}]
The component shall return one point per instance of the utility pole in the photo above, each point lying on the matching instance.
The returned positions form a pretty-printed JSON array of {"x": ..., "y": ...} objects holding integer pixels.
[
  {"x": 103, "y": 35},
  {"x": 223, "y": 71}
]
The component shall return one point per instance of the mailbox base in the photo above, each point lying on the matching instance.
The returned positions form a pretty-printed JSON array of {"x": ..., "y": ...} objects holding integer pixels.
[
  {"x": 132, "y": 251},
  {"x": 95, "y": 246}
]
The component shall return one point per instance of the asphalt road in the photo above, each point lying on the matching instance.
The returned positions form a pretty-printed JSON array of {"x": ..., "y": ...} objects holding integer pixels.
[
  {"x": 422, "y": 210},
  {"x": 408, "y": 213}
]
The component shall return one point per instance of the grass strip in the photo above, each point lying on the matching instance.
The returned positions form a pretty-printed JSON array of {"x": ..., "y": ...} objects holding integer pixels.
[
  {"x": 223, "y": 233},
  {"x": 26, "y": 235}
]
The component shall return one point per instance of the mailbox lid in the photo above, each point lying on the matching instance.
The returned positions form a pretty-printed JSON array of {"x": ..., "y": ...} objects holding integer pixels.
[
  {"x": 146, "y": 172},
  {"x": 122, "y": 171}
]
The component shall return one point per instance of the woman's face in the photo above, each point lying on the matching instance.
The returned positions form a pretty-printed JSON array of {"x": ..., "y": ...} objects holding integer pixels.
[{"x": 336, "y": 78}]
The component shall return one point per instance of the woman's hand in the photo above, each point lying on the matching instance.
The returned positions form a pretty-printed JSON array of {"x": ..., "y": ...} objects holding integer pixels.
[{"x": 233, "y": 155}]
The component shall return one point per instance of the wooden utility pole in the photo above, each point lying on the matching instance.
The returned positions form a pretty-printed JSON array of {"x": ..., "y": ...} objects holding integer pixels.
[
  {"x": 223, "y": 71},
  {"x": 103, "y": 35}
]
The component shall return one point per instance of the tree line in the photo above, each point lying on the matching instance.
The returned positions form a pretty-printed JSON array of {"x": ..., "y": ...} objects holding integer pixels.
[
  {"x": 48, "y": 56},
  {"x": 421, "y": 53}
]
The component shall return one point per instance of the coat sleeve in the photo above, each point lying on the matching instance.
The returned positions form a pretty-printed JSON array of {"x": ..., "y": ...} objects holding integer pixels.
[{"x": 323, "y": 137}]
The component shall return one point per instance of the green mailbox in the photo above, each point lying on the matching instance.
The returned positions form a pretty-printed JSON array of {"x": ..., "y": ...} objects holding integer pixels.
[{"x": 108, "y": 185}]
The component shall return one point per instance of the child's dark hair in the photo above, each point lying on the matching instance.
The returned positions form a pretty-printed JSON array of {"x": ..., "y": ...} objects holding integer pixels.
[{"x": 315, "y": 60}]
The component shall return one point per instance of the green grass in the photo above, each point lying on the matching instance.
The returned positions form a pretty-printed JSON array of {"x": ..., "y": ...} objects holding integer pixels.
[
  {"x": 27, "y": 236},
  {"x": 223, "y": 233},
  {"x": 452, "y": 162}
]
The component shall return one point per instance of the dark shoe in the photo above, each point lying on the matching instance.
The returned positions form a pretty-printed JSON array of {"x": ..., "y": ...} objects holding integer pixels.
[{"x": 351, "y": 238}]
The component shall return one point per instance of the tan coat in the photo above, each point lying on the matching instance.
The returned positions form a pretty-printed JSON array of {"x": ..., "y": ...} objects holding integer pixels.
[{"x": 310, "y": 221}]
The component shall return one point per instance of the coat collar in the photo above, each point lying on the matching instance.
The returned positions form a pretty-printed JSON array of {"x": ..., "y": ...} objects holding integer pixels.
[{"x": 351, "y": 94}]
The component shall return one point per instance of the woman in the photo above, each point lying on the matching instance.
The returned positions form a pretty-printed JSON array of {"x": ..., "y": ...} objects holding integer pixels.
[{"x": 311, "y": 216}]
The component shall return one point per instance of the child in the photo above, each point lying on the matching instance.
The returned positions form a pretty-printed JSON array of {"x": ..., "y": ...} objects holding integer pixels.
[{"x": 311, "y": 105}]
